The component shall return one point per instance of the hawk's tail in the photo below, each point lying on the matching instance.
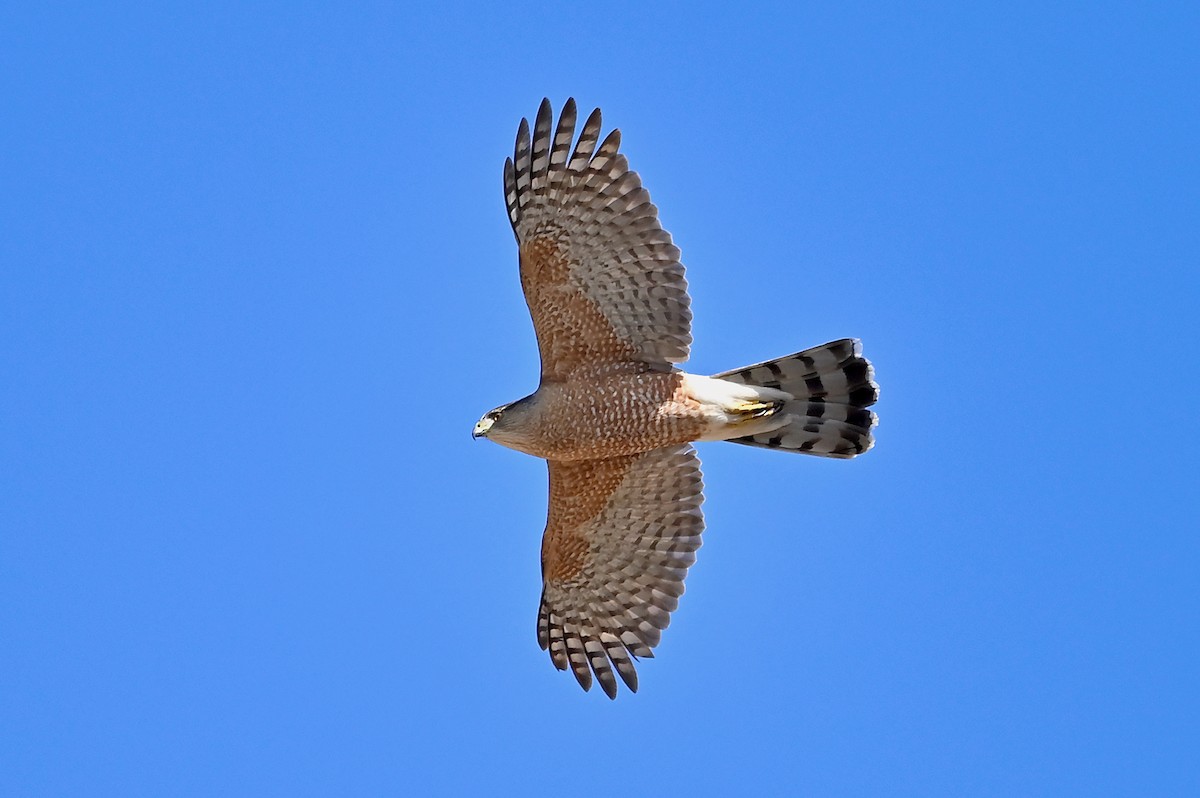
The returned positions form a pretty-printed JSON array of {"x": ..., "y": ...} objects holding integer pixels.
[{"x": 833, "y": 385}]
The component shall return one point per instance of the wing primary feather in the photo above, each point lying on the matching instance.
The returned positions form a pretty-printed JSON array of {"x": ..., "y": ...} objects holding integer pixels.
[
  {"x": 510, "y": 195},
  {"x": 543, "y": 625},
  {"x": 521, "y": 163},
  {"x": 557, "y": 643},
  {"x": 561, "y": 148},
  {"x": 541, "y": 146},
  {"x": 620, "y": 660},
  {"x": 598, "y": 659},
  {"x": 608, "y": 149},
  {"x": 576, "y": 654},
  {"x": 587, "y": 142}
]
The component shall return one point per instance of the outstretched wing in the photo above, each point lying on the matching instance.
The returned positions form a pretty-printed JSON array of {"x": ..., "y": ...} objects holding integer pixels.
[
  {"x": 620, "y": 536},
  {"x": 603, "y": 281}
]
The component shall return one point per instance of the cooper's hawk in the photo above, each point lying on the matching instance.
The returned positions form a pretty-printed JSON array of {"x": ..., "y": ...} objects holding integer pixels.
[{"x": 613, "y": 416}]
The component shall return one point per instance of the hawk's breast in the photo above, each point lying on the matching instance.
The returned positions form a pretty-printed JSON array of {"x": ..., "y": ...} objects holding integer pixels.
[{"x": 614, "y": 415}]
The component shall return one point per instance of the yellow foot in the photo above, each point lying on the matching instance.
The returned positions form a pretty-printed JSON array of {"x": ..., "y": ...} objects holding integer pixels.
[{"x": 757, "y": 409}]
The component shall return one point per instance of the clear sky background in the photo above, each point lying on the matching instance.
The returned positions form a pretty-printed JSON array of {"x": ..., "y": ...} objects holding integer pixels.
[{"x": 257, "y": 285}]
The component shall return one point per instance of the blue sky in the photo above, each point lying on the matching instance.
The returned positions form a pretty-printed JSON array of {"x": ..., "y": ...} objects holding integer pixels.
[{"x": 257, "y": 284}]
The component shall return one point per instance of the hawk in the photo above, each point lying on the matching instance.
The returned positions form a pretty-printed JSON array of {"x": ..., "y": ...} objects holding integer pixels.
[{"x": 614, "y": 417}]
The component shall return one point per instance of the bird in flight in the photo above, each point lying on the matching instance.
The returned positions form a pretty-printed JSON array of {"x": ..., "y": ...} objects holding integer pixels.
[{"x": 614, "y": 416}]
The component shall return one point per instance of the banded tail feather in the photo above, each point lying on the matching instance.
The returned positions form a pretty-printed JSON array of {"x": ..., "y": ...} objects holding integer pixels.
[{"x": 832, "y": 385}]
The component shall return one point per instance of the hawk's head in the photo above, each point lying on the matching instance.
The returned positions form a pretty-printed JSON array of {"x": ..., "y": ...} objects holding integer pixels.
[
  {"x": 508, "y": 425},
  {"x": 484, "y": 425}
]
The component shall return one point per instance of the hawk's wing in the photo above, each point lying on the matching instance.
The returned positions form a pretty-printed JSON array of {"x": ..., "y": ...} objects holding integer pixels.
[
  {"x": 603, "y": 281},
  {"x": 620, "y": 536}
]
